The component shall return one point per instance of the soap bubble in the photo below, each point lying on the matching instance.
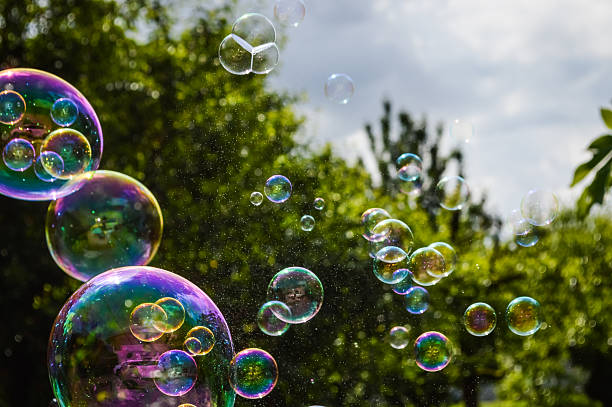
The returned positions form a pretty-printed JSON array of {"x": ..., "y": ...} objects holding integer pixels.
[
  {"x": 111, "y": 221},
  {"x": 175, "y": 313},
  {"x": 527, "y": 240},
  {"x": 411, "y": 188},
  {"x": 433, "y": 351},
  {"x": 26, "y": 105},
  {"x": 453, "y": 193},
  {"x": 523, "y": 316},
  {"x": 50, "y": 160},
  {"x": 462, "y": 131},
  {"x": 236, "y": 55},
  {"x": 371, "y": 218},
  {"x": 405, "y": 284},
  {"x": 265, "y": 58},
  {"x": 540, "y": 207},
  {"x": 193, "y": 346},
  {"x": 394, "y": 232},
  {"x": 268, "y": 322},
  {"x": 298, "y": 288},
  {"x": 319, "y": 204},
  {"x": 450, "y": 259},
  {"x": 409, "y": 167},
  {"x": 417, "y": 300},
  {"x": 145, "y": 320},
  {"x": 205, "y": 336},
  {"x": 390, "y": 265},
  {"x": 307, "y": 223},
  {"x": 253, "y": 373},
  {"x": 255, "y": 29},
  {"x": 176, "y": 373},
  {"x": 278, "y": 188},
  {"x": 424, "y": 263},
  {"x": 64, "y": 112},
  {"x": 289, "y": 12},
  {"x": 256, "y": 198},
  {"x": 479, "y": 319},
  {"x": 524, "y": 232},
  {"x": 339, "y": 88},
  {"x": 18, "y": 154},
  {"x": 398, "y": 337},
  {"x": 91, "y": 340}
]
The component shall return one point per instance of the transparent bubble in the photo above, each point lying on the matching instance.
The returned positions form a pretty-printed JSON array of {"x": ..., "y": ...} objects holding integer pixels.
[
  {"x": 267, "y": 320},
  {"x": 453, "y": 192},
  {"x": 278, "y": 188},
  {"x": 433, "y": 351},
  {"x": 479, "y": 319},
  {"x": 205, "y": 336},
  {"x": 175, "y": 313},
  {"x": 176, "y": 373},
  {"x": 193, "y": 346},
  {"x": 527, "y": 240},
  {"x": 72, "y": 147},
  {"x": 524, "y": 316},
  {"x": 12, "y": 107},
  {"x": 112, "y": 220},
  {"x": 319, "y": 204},
  {"x": 18, "y": 154},
  {"x": 51, "y": 160},
  {"x": 236, "y": 55},
  {"x": 424, "y": 263},
  {"x": 462, "y": 131},
  {"x": 253, "y": 373},
  {"x": 524, "y": 232},
  {"x": 539, "y": 207},
  {"x": 450, "y": 259},
  {"x": 390, "y": 265},
  {"x": 255, "y": 29},
  {"x": 145, "y": 320},
  {"x": 417, "y": 300},
  {"x": 289, "y": 12},
  {"x": 339, "y": 88},
  {"x": 298, "y": 288},
  {"x": 64, "y": 112},
  {"x": 404, "y": 284},
  {"x": 411, "y": 188},
  {"x": 307, "y": 223},
  {"x": 256, "y": 198},
  {"x": 394, "y": 232},
  {"x": 399, "y": 337},
  {"x": 371, "y": 218},
  {"x": 409, "y": 167},
  {"x": 265, "y": 58}
]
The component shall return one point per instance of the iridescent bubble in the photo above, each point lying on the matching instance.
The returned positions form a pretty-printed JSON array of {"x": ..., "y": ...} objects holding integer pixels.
[
  {"x": 450, "y": 259},
  {"x": 424, "y": 263},
  {"x": 112, "y": 220},
  {"x": 236, "y": 55},
  {"x": 278, "y": 188},
  {"x": 186, "y": 405},
  {"x": 409, "y": 167},
  {"x": 64, "y": 112},
  {"x": 72, "y": 147},
  {"x": 12, "y": 107},
  {"x": 253, "y": 373},
  {"x": 417, "y": 300},
  {"x": 267, "y": 320},
  {"x": 307, "y": 223},
  {"x": 205, "y": 336},
  {"x": 395, "y": 233},
  {"x": 290, "y": 12},
  {"x": 539, "y": 207},
  {"x": 176, "y": 373},
  {"x": 298, "y": 288},
  {"x": 390, "y": 265},
  {"x": 523, "y": 316},
  {"x": 265, "y": 58},
  {"x": 145, "y": 320},
  {"x": 193, "y": 346},
  {"x": 18, "y": 154},
  {"x": 453, "y": 192},
  {"x": 175, "y": 313},
  {"x": 339, "y": 88},
  {"x": 524, "y": 232},
  {"x": 433, "y": 351},
  {"x": 51, "y": 160},
  {"x": 404, "y": 284},
  {"x": 319, "y": 204},
  {"x": 527, "y": 240},
  {"x": 399, "y": 337},
  {"x": 371, "y": 218},
  {"x": 256, "y": 198},
  {"x": 479, "y": 319},
  {"x": 462, "y": 131}
]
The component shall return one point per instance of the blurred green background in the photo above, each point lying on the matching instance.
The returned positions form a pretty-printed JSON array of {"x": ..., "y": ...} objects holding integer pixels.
[{"x": 202, "y": 140}]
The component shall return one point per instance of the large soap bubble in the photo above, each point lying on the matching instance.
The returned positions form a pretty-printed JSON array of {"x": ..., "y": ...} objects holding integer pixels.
[
  {"x": 523, "y": 315},
  {"x": 432, "y": 351},
  {"x": 53, "y": 118},
  {"x": 540, "y": 207},
  {"x": 394, "y": 232},
  {"x": 95, "y": 360},
  {"x": 300, "y": 289},
  {"x": 111, "y": 221},
  {"x": 253, "y": 373}
]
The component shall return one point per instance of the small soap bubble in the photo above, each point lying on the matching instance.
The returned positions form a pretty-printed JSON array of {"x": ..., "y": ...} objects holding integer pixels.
[
  {"x": 256, "y": 198},
  {"x": 525, "y": 234},
  {"x": 524, "y": 316},
  {"x": 479, "y": 319},
  {"x": 462, "y": 131},
  {"x": 255, "y": 29},
  {"x": 433, "y": 351},
  {"x": 394, "y": 232},
  {"x": 424, "y": 263},
  {"x": 18, "y": 154},
  {"x": 176, "y": 373},
  {"x": 450, "y": 259},
  {"x": 253, "y": 373},
  {"x": 12, "y": 107},
  {"x": 265, "y": 58},
  {"x": 51, "y": 160},
  {"x": 411, "y": 188},
  {"x": 453, "y": 192},
  {"x": 145, "y": 320},
  {"x": 193, "y": 346},
  {"x": 390, "y": 265},
  {"x": 307, "y": 223},
  {"x": 205, "y": 336},
  {"x": 267, "y": 320},
  {"x": 278, "y": 188},
  {"x": 371, "y": 218},
  {"x": 399, "y": 337},
  {"x": 289, "y": 12},
  {"x": 409, "y": 167},
  {"x": 540, "y": 207},
  {"x": 64, "y": 112},
  {"x": 403, "y": 285},
  {"x": 72, "y": 147},
  {"x": 235, "y": 55},
  {"x": 175, "y": 312},
  {"x": 339, "y": 88},
  {"x": 319, "y": 204},
  {"x": 300, "y": 289},
  {"x": 417, "y": 300}
]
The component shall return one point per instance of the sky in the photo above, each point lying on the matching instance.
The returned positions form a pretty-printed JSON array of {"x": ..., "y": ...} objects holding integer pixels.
[{"x": 530, "y": 77}]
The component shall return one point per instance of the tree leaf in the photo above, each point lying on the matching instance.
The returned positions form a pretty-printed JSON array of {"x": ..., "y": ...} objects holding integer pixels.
[
  {"x": 594, "y": 193},
  {"x": 606, "y": 115},
  {"x": 602, "y": 143},
  {"x": 584, "y": 169}
]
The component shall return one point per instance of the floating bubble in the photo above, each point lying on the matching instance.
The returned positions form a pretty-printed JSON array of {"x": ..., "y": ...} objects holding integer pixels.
[
  {"x": 371, "y": 218},
  {"x": 12, "y": 107},
  {"x": 72, "y": 147},
  {"x": 339, "y": 88},
  {"x": 64, "y": 112},
  {"x": 462, "y": 131},
  {"x": 390, "y": 265},
  {"x": 145, "y": 320},
  {"x": 18, "y": 154},
  {"x": 278, "y": 188},
  {"x": 450, "y": 259},
  {"x": 51, "y": 160},
  {"x": 404, "y": 284},
  {"x": 307, "y": 223},
  {"x": 111, "y": 221},
  {"x": 290, "y": 12},
  {"x": 424, "y": 263},
  {"x": 394, "y": 232},
  {"x": 527, "y": 240},
  {"x": 255, "y": 29},
  {"x": 298, "y": 288},
  {"x": 417, "y": 300},
  {"x": 524, "y": 232},
  {"x": 433, "y": 351},
  {"x": 411, "y": 188},
  {"x": 253, "y": 373},
  {"x": 176, "y": 373},
  {"x": 256, "y": 198},
  {"x": 523, "y": 316},
  {"x": 540, "y": 208},
  {"x": 175, "y": 313},
  {"x": 319, "y": 204},
  {"x": 409, "y": 167},
  {"x": 205, "y": 336},
  {"x": 453, "y": 192},
  {"x": 91, "y": 340},
  {"x": 265, "y": 58},
  {"x": 267, "y": 320},
  {"x": 193, "y": 346},
  {"x": 236, "y": 55},
  {"x": 399, "y": 337},
  {"x": 479, "y": 319}
]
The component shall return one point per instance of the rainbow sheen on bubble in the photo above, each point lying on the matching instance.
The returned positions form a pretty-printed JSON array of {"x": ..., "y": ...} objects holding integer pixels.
[
  {"x": 523, "y": 315},
  {"x": 112, "y": 220},
  {"x": 176, "y": 373},
  {"x": 47, "y": 164},
  {"x": 416, "y": 300},
  {"x": 300, "y": 289},
  {"x": 392, "y": 232},
  {"x": 405, "y": 284},
  {"x": 540, "y": 207},
  {"x": 278, "y": 188},
  {"x": 409, "y": 167},
  {"x": 307, "y": 223},
  {"x": 432, "y": 351},
  {"x": 91, "y": 344},
  {"x": 453, "y": 193},
  {"x": 424, "y": 263},
  {"x": 479, "y": 319},
  {"x": 193, "y": 346},
  {"x": 64, "y": 112},
  {"x": 391, "y": 265},
  {"x": 253, "y": 373},
  {"x": 450, "y": 259},
  {"x": 319, "y": 204},
  {"x": 26, "y": 105},
  {"x": 289, "y": 12},
  {"x": 339, "y": 88},
  {"x": 369, "y": 219},
  {"x": 399, "y": 337},
  {"x": 525, "y": 233},
  {"x": 145, "y": 320},
  {"x": 175, "y": 313},
  {"x": 267, "y": 320},
  {"x": 18, "y": 154},
  {"x": 256, "y": 198},
  {"x": 205, "y": 336}
]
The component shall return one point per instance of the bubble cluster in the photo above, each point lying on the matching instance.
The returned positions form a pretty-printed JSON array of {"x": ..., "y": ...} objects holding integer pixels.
[
  {"x": 145, "y": 321},
  {"x": 450, "y": 259},
  {"x": 267, "y": 320},
  {"x": 390, "y": 265},
  {"x": 319, "y": 204},
  {"x": 193, "y": 346},
  {"x": 175, "y": 314},
  {"x": 253, "y": 373},
  {"x": 453, "y": 192},
  {"x": 339, "y": 88},
  {"x": 18, "y": 154},
  {"x": 47, "y": 164},
  {"x": 540, "y": 208},
  {"x": 417, "y": 300},
  {"x": 307, "y": 223},
  {"x": 290, "y": 12},
  {"x": 256, "y": 198},
  {"x": 278, "y": 188},
  {"x": 300, "y": 289},
  {"x": 205, "y": 336},
  {"x": 369, "y": 219},
  {"x": 479, "y": 319},
  {"x": 392, "y": 232},
  {"x": 176, "y": 373},
  {"x": 424, "y": 264},
  {"x": 432, "y": 351},
  {"x": 523, "y": 316},
  {"x": 399, "y": 337},
  {"x": 72, "y": 147},
  {"x": 409, "y": 167}
]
